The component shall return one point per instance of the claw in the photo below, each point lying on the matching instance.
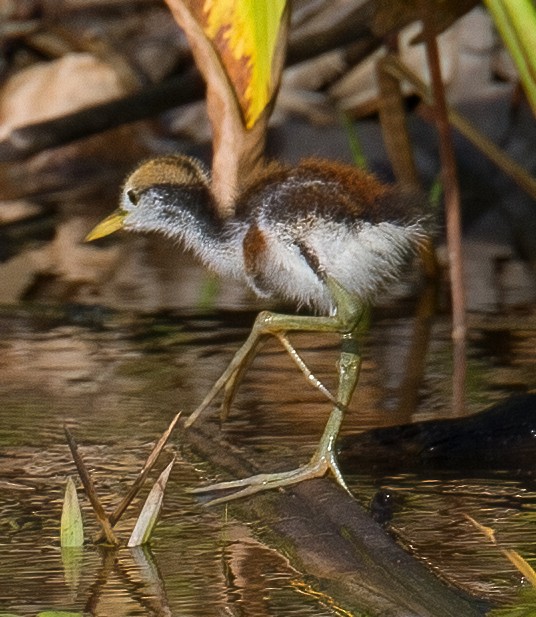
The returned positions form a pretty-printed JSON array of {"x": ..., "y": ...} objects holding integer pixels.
[
  {"x": 324, "y": 459},
  {"x": 262, "y": 482},
  {"x": 319, "y": 465}
]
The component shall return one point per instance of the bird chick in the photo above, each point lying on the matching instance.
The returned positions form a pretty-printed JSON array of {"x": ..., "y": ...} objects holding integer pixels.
[
  {"x": 293, "y": 226},
  {"x": 320, "y": 234}
]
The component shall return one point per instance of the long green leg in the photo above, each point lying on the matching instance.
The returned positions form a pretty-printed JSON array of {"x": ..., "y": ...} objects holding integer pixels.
[
  {"x": 346, "y": 322},
  {"x": 324, "y": 459},
  {"x": 266, "y": 324}
]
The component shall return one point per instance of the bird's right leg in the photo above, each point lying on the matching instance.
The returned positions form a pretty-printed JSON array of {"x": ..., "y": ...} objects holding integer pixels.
[
  {"x": 266, "y": 324},
  {"x": 230, "y": 378},
  {"x": 276, "y": 324}
]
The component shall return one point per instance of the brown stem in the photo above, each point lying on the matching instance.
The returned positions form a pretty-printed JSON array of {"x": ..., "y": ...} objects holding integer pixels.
[
  {"x": 90, "y": 489},
  {"x": 452, "y": 208},
  {"x": 142, "y": 476},
  {"x": 394, "y": 127}
]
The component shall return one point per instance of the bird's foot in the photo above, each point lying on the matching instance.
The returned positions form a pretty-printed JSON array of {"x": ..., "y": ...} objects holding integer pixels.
[{"x": 317, "y": 467}]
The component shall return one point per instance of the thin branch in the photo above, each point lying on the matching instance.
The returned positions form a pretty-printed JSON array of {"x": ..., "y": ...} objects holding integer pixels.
[
  {"x": 90, "y": 489},
  {"x": 395, "y": 67},
  {"x": 142, "y": 476},
  {"x": 452, "y": 208}
]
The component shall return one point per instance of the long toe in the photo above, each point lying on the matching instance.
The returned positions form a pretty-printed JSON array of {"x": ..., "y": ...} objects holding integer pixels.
[{"x": 263, "y": 482}]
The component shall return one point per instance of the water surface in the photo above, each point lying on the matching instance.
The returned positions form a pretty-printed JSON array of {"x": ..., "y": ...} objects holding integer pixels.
[{"x": 117, "y": 379}]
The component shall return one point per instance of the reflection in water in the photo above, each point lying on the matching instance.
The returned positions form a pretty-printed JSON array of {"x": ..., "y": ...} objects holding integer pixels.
[
  {"x": 429, "y": 518},
  {"x": 117, "y": 381}
]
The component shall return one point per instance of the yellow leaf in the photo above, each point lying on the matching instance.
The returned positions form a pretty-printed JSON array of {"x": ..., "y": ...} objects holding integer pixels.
[
  {"x": 521, "y": 564},
  {"x": 245, "y": 34}
]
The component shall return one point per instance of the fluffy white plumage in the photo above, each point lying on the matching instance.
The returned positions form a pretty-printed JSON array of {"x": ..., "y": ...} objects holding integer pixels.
[{"x": 293, "y": 227}]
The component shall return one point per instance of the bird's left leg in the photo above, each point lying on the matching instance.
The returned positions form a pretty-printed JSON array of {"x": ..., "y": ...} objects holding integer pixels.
[
  {"x": 324, "y": 458},
  {"x": 230, "y": 378},
  {"x": 276, "y": 324},
  {"x": 231, "y": 385}
]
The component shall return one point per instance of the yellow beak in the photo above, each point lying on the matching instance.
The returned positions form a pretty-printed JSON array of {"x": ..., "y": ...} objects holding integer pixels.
[{"x": 107, "y": 226}]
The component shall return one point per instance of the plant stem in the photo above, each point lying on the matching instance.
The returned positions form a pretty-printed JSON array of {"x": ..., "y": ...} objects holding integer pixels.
[
  {"x": 452, "y": 212},
  {"x": 90, "y": 489}
]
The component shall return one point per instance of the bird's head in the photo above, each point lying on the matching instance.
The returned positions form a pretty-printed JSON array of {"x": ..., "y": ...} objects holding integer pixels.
[{"x": 147, "y": 201}]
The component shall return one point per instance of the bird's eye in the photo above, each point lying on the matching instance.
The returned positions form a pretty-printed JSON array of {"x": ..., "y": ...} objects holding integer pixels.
[{"x": 133, "y": 196}]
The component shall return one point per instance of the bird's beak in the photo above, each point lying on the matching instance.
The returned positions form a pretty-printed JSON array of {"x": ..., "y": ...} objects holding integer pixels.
[{"x": 107, "y": 226}]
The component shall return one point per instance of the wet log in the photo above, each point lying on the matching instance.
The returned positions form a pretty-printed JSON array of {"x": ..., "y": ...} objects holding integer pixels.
[
  {"x": 327, "y": 534},
  {"x": 501, "y": 439}
]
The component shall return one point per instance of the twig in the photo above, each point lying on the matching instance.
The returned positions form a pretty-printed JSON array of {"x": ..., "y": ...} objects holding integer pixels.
[
  {"x": 452, "y": 209},
  {"x": 32, "y": 138},
  {"x": 142, "y": 476},
  {"x": 149, "y": 464},
  {"x": 90, "y": 490}
]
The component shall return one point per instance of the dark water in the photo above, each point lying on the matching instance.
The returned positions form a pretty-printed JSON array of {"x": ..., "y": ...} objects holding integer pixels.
[{"x": 117, "y": 379}]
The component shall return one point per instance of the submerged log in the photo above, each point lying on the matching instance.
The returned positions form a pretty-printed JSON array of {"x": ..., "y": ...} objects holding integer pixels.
[
  {"x": 327, "y": 534},
  {"x": 501, "y": 438}
]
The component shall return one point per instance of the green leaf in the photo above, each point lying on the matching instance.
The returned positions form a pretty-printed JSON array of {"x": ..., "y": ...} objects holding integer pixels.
[
  {"x": 150, "y": 511},
  {"x": 516, "y": 22},
  {"x": 72, "y": 527},
  {"x": 246, "y": 33}
]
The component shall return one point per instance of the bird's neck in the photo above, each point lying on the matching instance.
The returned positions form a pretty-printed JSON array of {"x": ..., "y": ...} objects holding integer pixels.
[{"x": 189, "y": 216}]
